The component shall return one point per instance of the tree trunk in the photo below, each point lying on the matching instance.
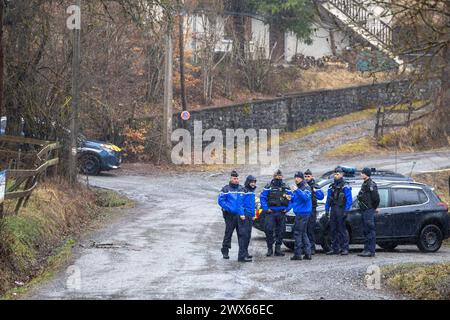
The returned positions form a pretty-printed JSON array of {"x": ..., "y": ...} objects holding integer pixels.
[{"x": 182, "y": 73}]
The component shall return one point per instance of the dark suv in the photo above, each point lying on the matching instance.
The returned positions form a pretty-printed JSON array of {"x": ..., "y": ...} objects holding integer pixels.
[
  {"x": 352, "y": 175},
  {"x": 409, "y": 213}
]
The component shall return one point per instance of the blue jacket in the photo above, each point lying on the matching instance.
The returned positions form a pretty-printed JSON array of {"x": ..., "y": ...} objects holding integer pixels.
[
  {"x": 249, "y": 198},
  {"x": 266, "y": 192},
  {"x": 230, "y": 199},
  {"x": 347, "y": 195},
  {"x": 302, "y": 203}
]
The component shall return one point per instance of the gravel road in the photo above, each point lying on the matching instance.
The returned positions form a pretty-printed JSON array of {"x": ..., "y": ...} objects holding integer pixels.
[{"x": 168, "y": 246}]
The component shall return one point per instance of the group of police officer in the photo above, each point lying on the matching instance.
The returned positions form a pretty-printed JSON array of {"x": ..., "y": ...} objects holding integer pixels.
[{"x": 239, "y": 206}]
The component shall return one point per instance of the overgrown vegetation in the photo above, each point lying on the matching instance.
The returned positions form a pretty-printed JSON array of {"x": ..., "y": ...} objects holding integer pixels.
[
  {"x": 426, "y": 282},
  {"x": 39, "y": 238}
]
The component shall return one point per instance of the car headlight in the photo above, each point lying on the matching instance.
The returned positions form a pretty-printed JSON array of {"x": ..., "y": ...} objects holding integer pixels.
[{"x": 111, "y": 147}]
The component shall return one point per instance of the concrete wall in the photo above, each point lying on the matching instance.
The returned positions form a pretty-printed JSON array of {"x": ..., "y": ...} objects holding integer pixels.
[{"x": 321, "y": 45}]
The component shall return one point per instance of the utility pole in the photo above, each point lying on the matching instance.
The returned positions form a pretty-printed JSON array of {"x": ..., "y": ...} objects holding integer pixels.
[
  {"x": 168, "y": 92},
  {"x": 2, "y": 63},
  {"x": 73, "y": 168}
]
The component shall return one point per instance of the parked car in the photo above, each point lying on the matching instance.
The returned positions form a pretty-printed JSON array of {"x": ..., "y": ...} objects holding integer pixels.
[
  {"x": 409, "y": 213},
  {"x": 93, "y": 156},
  {"x": 351, "y": 175},
  {"x": 96, "y": 156}
]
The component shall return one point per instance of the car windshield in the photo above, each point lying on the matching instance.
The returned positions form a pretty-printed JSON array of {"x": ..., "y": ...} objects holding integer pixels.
[{"x": 324, "y": 188}]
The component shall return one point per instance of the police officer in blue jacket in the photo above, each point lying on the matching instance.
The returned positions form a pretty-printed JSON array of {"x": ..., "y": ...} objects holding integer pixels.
[
  {"x": 275, "y": 201},
  {"x": 316, "y": 194},
  {"x": 339, "y": 201},
  {"x": 302, "y": 206},
  {"x": 230, "y": 200},
  {"x": 245, "y": 231}
]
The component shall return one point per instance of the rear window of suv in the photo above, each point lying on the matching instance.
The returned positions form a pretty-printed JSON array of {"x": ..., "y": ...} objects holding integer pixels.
[{"x": 408, "y": 197}]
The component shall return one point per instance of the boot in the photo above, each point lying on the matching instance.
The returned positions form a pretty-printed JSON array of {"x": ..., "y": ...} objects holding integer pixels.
[
  {"x": 296, "y": 258},
  {"x": 225, "y": 253},
  {"x": 269, "y": 252},
  {"x": 278, "y": 252},
  {"x": 344, "y": 253},
  {"x": 246, "y": 259},
  {"x": 366, "y": 254},
  {"x": 307, "y": 257}
]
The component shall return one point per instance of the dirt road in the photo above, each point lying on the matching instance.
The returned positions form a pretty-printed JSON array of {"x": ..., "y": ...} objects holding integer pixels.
[{"x": 168, "y": 246}]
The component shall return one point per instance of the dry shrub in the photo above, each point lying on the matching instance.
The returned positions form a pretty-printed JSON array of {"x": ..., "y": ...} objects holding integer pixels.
[{"x": 417, "y": 137}]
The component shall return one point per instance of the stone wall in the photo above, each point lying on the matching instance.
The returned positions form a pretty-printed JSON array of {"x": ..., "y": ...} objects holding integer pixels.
[{"x": 292, "y": 112}]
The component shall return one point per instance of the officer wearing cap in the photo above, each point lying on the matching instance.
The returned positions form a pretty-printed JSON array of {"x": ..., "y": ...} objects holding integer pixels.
[
  {"x": 275, "y": 201},
  {"x": 316, "y": 194},
  {"x": 339, "y": 201},
  {"x": 368, "y": 200},
  {"x": 302, "y": 205},
  {"x": 230, "y": 200}
]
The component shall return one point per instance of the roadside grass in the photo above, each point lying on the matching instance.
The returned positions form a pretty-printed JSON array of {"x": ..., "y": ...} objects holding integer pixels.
[
  {"x": 110, "y": 199},
  {"x": 326, "y": 124},
  {"x": 60, "y": 258},
  {"x": 55, "y": 215},
  {"x": 416, "y": 137},
  {"x": 419, "y": 281}
]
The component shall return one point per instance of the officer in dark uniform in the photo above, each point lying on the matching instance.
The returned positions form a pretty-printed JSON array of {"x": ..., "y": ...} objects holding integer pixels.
[
  {"x": 369, "y": 200},
  {"x": 230, "y": 200},
  {"x": 316, "y": 194},
  {"x": 339, "y": 201},
  {"x": 249, "y": 211},
  {"x": 275, "y": 201}
]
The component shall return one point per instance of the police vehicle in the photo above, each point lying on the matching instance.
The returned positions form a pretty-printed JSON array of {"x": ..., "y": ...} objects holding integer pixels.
[
  {"x": 409, "y": 213},
  {"x": 351, "y": 174}
]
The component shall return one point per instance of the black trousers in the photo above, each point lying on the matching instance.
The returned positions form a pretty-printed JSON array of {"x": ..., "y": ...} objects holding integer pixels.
[
  {"x": 311, "y": 227},
  {"x": 274, "y": 224},
  {"x": 231, "y": 224},
  {"x": 243, "y": 236}
]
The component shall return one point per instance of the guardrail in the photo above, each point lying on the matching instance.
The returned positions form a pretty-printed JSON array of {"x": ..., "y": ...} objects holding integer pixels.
[
  {"x": 20, "y": 183},
  {"x": 357, "y": 12}
]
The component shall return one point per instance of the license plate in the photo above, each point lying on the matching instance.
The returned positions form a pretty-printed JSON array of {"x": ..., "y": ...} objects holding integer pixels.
[{"x": 288, "y": 228}]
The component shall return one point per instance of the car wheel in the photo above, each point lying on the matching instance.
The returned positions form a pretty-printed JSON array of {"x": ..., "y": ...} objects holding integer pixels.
[
  {"x": 289, "y": 244},
  {"x": 326, "y": 241},
  {"x": 388, "y": 246},
  {"x": 430, "y": 238},
  {"x": 90, "y": 164}
]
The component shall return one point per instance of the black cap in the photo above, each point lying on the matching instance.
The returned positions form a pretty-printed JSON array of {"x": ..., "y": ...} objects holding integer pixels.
[
  {"x": 308, "y": 173},
  {"x": 234, "y": 173},
  {"x": 338, "y": 170},
  {"x": 278, "y": 173},
  {"x": 367, "y": 171},
  {"x": 299, "y": 174}
]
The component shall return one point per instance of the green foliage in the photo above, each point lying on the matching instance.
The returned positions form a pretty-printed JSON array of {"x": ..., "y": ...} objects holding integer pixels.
[{"x": 296, "y": 16}]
